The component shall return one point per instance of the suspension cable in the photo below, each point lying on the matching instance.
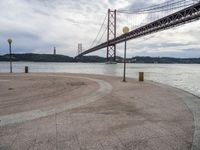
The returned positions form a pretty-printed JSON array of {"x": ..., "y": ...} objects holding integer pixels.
[
  {"x": 102, "y": 25},
  {"x": 160, "y": 7},
  {"x": 102, "y": 36}
]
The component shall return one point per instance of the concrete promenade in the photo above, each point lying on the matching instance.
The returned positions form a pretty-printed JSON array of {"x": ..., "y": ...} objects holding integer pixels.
[{"x": 91, "y": 112}]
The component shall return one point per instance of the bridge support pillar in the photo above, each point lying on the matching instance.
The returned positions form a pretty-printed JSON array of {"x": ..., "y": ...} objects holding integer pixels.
[{"x": 111, "y": 34}]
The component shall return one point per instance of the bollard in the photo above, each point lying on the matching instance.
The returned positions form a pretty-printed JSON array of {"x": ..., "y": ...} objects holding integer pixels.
[
  {"x": 26, "y": 69},
  {"x": 141, "y": 76}
]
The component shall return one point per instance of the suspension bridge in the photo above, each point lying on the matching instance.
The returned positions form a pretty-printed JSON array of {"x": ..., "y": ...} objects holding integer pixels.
[{"x": 143, "y": 21}]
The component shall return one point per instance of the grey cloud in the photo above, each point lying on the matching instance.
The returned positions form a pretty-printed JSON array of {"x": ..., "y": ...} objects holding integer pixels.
[
  {"x": 139, "y": 4},
  {"x": 72, "y": 20}
]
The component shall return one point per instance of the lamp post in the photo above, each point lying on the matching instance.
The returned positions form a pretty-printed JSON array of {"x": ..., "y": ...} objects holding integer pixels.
[
  {"x": 10, "y": 42},
  {"x": 125, "y": 30}
]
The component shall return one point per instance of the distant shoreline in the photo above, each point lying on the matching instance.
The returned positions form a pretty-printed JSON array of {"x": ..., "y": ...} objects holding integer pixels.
[{"x": 31, "y": 57}]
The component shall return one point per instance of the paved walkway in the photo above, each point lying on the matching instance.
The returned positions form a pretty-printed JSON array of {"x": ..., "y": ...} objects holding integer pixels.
[
  {"x": 104, "y": 89},
  {"x": 94, "y": 112}
]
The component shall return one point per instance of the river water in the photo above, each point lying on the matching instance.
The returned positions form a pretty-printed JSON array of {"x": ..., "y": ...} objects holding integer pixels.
[{"x": 183, "y": 76}]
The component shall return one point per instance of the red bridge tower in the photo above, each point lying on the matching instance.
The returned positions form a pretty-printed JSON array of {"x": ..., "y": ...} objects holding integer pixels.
[{"x": 111, "y": 34}]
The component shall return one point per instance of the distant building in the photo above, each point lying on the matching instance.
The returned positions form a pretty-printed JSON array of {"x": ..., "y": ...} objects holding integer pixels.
[{"x": 54, "y": 51}]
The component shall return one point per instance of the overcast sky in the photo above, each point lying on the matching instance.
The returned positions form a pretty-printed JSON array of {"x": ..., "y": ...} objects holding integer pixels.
[{"x": 36, "y": 26}]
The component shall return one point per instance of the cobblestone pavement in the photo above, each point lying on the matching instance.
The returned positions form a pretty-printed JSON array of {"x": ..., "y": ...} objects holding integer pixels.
[{"x": 122, "y": 116}]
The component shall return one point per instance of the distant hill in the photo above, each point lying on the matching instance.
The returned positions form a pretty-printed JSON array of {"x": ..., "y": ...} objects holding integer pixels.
[
  {"x": 96, "y": 59},
  {"x": 3, "y": 58},
  {"x": 164, "y": 60},
  {"x": 50, "y": 58},
  {"x": 37, "y": 58}
]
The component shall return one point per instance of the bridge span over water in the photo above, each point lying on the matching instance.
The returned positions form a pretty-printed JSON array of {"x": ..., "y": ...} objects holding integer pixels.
[{"x": 183, "y": 11}]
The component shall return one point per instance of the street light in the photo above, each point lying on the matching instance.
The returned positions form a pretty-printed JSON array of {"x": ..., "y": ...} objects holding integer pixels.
[
  {"x": 10, "y": 42},
  {"x": 125, "y": 30}
]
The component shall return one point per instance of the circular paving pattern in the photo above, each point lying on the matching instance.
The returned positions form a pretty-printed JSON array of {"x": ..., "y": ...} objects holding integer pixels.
[{"x": 70, "y": 111}]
